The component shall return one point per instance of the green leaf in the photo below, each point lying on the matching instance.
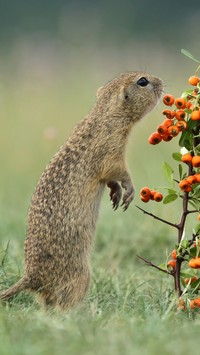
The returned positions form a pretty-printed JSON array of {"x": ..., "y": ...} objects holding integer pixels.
[
  {"x": 177, "y": 156},
  {"x": 170, "y": 191},
  {"x": 184, "y": 243},
  {"x": 188, "y": 111},
  {"x": 186, "y": 93},
  {"x": 195, "y": 284},
  {"x": 193, "y": 252},
  {"x": 163, "y": 266},
  {"x": 168, "y": 173},
  {"x": 193, "y": 204},
  {"x": 186, "y": 274},
  {"x": 197, "y": 149},
  {"x": 189, "y": 55},
  {"x": 180, "y": 168},
  {"x": 196, "y": 193},
  {"x": 196, "y": 228},
  {"x": 170, "y": 198},
  {"x": 186, "y": 139}
]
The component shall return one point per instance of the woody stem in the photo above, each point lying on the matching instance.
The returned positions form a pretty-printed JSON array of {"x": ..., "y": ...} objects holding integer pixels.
[{"x": 181, "y": 227}]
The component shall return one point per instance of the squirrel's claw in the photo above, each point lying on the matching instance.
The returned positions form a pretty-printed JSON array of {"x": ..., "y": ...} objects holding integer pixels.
[
  {"x": 128, "y": 198},
  {"x": 115, "y": 193}
]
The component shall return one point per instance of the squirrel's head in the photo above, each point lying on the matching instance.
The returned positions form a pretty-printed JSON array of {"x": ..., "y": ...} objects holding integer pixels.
[{"x": 130, "y": 95}]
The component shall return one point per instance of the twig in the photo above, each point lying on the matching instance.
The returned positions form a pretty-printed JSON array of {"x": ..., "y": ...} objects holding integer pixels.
[
  {"x": 192, "y": 211},
  {"x": 155, "y": 266},
  {"x": 181, "y": 227},
  {"x": 158, "y": 218}
]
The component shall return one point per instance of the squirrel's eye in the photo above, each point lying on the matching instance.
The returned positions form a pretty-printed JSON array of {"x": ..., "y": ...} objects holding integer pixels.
[{"x": 143, "y": 81}]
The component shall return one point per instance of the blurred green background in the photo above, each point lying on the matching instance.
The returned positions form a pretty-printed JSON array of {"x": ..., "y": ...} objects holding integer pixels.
[{"x": 53, "y": 57}]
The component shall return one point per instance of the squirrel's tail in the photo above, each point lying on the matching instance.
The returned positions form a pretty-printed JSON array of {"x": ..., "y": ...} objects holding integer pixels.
[{"x": 19, "y": 286}]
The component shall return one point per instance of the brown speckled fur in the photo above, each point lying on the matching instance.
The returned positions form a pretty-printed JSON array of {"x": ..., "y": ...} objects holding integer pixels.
[{"x": 64, "y": 207}]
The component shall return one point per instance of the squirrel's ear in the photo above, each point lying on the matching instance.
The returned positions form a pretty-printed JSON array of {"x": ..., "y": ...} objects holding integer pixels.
[
  {"x": 123, "y": 94},
  {"x": 99, "y": 92}
]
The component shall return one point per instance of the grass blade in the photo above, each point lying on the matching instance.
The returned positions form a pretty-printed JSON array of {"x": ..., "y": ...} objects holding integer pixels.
[{"x": 189, "y": 55}]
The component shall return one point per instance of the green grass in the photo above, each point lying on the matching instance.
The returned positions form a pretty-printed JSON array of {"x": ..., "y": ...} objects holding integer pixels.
[{"x": 130, "y": 308}]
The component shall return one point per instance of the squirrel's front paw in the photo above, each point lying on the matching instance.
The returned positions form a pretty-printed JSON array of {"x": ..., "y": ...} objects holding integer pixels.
[
  {"x": 115, "y": 193},
  {"x": 128, "y": 196}
]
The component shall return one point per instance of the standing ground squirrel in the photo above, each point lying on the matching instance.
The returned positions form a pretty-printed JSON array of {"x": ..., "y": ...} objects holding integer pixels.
[{"x": 64, "y": 207}]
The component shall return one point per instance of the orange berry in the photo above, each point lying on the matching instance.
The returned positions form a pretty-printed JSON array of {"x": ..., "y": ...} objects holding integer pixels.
[
  {"x": 173, "y": 131},
  {"x": 145, "y": 191},
  {"x": 186, "y": 158},
  {"x": 195, "y": 92},
  {"x": 195, "y": 244},
  {"x": 174, "y": 254},
  {"x": 193, "y": 80},
  {"x": 189, "y": 104},
  {"x": 181, "y": 304},
  {"x": 195, "y": 303},
  {"x": 194, "y": 263},
  {"x": 167, "y": 113},
  {"x": 197, "y": 262},
  {"x": 172, "y": 114},
  {"x": 198, "y": 217},
  {"x": 153, "y": 192},
  {"x": 167, "y": 122},
  {"x": 166, "y": 137},
  {"x": 162, "y": 129},
  {"x": 194, "y": 278},
  {"x": 185, "y": 186},
  {"x": 180, "y": 103},
  {"x": 172, "y": 263},
  {"x": 195, "y": 115},
  {"x": 196, "y": 161},
  {"x": 197, "y": 176},
  {"x": 192, "y": 304},
  {"x": 155, "y": 138},
  {"x": 145, "y": 198},
  {"x": 191, "y": 279},
  {"x": 168, "y": 99},
  {"x": 192, "y": 179},
  {"x": 180, "y": 115},
  {"x": 181, "y": 125},
  {"x": 158, "y": 197}
]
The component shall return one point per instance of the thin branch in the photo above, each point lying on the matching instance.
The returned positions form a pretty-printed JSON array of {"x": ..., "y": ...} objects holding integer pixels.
[
  {"x": 158, "y": 218},
  {"x": 192, "y": 211},
  {"x": 176, "y": 181},
  {"x": 149, "y": 263},
  {"x": 177, "y": 276},
  {"x": 181, "y": 225}
]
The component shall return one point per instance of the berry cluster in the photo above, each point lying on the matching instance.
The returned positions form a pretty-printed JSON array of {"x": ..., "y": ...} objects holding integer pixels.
[
  {"x": 176, "y": 121},
  {"x": 193, "y": 282},
  {"x": 191, "y": 181},
  {"x": 194, "y": 160},
  {"x": 186, "y": 184},
  {"x": 172, "y": 262},
  {"x": 146, "y": 195},
  {"x": 182, "y": 117}
]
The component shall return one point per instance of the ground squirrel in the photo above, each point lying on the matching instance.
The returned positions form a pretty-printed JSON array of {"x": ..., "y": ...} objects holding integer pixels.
[{"x": 64, "y": 207}]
